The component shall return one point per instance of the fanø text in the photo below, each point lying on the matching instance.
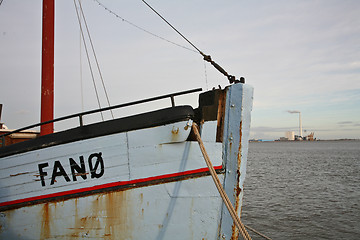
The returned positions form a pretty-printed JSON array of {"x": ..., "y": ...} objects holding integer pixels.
[{"x": 77, "y": 169}]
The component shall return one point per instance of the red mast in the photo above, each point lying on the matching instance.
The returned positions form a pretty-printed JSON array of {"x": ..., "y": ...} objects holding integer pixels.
[{"x": 47, "y": 69}]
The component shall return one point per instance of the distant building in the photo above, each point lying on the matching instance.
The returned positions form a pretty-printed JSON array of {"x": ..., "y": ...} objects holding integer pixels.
[
  {"x": 298, "y": 138},
  {"x": 283, "y": 139},
  {"x": 290, "y": 135},
  {"x": 15, "y": 137}
]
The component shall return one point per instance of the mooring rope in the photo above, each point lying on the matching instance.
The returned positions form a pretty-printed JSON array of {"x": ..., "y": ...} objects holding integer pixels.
[
  {"x": 220, "y": 188},
  {"x": 222, "y": 192},
  {"x": 258, "y": 233}
]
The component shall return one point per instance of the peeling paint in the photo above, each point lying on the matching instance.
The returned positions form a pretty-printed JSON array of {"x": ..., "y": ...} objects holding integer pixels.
[
  {"x": 14, "y": 175},
  {"x": 237, "y": 189}
]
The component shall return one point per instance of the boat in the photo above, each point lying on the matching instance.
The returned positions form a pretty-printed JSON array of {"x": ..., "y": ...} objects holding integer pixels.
[{"x": 136, "y": 177}]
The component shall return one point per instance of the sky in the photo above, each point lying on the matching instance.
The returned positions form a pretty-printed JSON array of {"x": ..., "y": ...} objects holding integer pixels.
[{"x": 301, "y": 56}]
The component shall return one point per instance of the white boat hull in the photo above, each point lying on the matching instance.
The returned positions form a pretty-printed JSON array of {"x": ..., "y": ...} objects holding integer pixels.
[{"x": 150, "y": 183}]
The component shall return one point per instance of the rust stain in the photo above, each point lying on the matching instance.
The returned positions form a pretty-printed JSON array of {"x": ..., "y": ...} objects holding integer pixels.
[
  {"x": 141, "y": 203},
  {"x": 220, "y": 116},
  {"x": 17, "y": 174},
  {"x": 175, "y": 130},
  {"x": 118, "y": 215},
  {"x": 105, "y": 218},
  {"x": 237, "y": 189},
  {"x": 45, "y": 221},
  {"x": 235, "y": 232},
  {"x": 174, "y": 134},
  {"x": 86, "y": 225},
  {"x": 80, "y": 174}
]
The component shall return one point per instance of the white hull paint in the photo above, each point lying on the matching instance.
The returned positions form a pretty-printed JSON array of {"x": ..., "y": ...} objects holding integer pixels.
[
  {"x": 161, "y": 211},
  {"x": 144, "y": 184}
]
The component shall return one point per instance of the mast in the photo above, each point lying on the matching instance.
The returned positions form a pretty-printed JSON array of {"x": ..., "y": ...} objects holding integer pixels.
[{"x": 47, "y": 67}]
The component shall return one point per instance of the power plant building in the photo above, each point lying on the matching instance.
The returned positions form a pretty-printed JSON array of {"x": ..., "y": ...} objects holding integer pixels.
[{"x": 290, "y": 135}]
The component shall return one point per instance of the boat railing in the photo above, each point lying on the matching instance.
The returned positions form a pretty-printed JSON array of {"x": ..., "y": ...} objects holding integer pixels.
[{"x": 82, "y": 114}]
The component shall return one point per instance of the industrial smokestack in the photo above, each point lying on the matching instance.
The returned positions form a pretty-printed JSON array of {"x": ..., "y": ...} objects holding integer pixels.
[
  {"x": 0, "y": 112},
  {"x": 300, "y": 125}
]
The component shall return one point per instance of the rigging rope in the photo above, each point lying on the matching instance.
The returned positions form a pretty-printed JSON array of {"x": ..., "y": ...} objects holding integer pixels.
[
  {"x": 207, "y": 58},
  {"x": 81, "y": 76},
  {"x": 88, "y": 58},
  {"x": 140, "y": 28},
  {"x": 173, "y": 27},
  {"x": 97, "y": 63}
]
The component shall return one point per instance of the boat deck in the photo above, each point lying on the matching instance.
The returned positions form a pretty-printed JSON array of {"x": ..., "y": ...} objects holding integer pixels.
[{"x": 134, "y": 122}]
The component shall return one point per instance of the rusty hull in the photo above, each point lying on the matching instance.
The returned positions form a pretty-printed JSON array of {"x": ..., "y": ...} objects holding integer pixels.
[{"x": 160, "y": 211}]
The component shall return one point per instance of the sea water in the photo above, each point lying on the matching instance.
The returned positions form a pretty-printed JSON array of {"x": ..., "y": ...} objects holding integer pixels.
[{"x": 303, "y": 190}]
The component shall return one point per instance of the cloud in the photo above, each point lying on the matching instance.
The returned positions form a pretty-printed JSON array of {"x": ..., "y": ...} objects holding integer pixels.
[
  {"x": 345, "y": 122},
  {"x": 294, "y": 111},
  {"x": 271, "y": 129}
]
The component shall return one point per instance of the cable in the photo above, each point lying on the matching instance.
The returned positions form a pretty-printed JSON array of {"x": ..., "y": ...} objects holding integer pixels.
[
  {"x": 87, "y": 54},
  {"x": 140, "y": 28},
  {"x": 97, "y": 63},
  {"x": 173, "y": 28},
  {"x": 206, "y": 57},
  {"x": 81, "y": 77}
]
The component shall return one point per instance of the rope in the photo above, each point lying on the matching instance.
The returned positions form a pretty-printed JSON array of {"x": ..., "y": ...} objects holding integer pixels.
[
  {"x": 220, "y": 188},
  {"x": 141, "y": 28},
  {"x": 207, "y": 58},
  {"x": 97, "y": 63},
  {"x": 88, "y": 58},
  {"x": 81, "y": 76},
  {"x": 173, "y": 27},
  {"x": 258, "y": 233}
]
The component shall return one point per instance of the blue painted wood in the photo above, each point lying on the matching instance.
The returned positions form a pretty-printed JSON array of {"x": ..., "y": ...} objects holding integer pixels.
[{"x": 235, "y": 148}]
